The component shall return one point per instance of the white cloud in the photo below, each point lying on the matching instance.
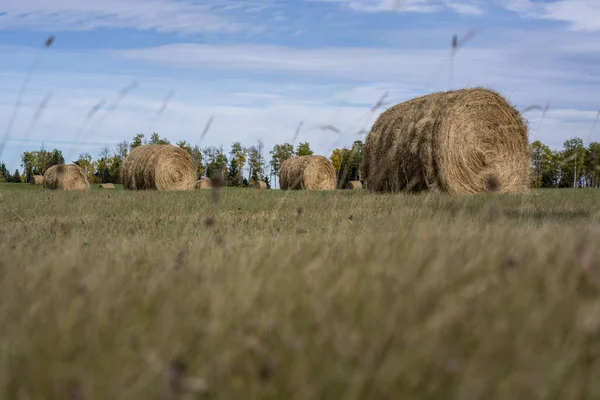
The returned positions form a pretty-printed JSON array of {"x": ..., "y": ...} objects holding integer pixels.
[
  {"x": 160, "y": 15},
  {"x": 582, "y": 15},
  {"x": 419, "y": 6}
]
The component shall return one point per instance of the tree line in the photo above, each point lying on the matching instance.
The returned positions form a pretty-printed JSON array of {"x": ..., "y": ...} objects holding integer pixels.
[{"x": 575, "y": 165}]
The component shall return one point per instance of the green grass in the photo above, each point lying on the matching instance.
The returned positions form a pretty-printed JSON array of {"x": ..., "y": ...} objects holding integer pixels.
[{"x": 299, "y": 295}]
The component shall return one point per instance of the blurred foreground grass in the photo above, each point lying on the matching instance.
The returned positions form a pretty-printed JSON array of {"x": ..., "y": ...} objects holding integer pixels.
[{"x": 281, "y": 295}]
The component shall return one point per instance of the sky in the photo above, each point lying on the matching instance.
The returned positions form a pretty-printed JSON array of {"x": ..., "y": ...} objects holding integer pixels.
[{"x": 260, "y": 69}]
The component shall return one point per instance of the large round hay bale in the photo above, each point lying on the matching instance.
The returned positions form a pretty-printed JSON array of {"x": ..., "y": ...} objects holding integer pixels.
[
  {"x": 107, "y": 186},
  {"x": 354, "y": 185},
  {"x": 307, "y": 173},
  {"x": 36, "y": 180},
  {"x": 65, "y": 177},
  {"x": 160, "y": 167},
  {"x": 462, "y": 141},
  {"x": 259, "y": 185},
  {"x": 204, "y": 183}
]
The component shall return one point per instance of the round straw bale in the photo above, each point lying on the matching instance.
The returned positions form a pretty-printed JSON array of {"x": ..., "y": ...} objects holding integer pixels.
[
  {"x": 160, "y": 167},
  {"x": 65, "y": 177},
  {"x": 354, "y": 185},
  {"x": 107, "y": 186},
  {"x": 36, "y": 180},
  {"x": 259, "y": 185},
  {"x": 204, "y": 183},
  {"x": 461, "y": 141},
  {"x": 307, "y": 172}
]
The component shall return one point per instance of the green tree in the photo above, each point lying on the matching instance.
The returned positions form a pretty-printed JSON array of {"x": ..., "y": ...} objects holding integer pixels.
[
  {"x": 279, "y": 154},
  {"x": 4, "y": 174},
  {"x": 122, "y": 150},
  {"x": 38, "y": 161},
  {"x": 573, "y": 162},
  {"x": 236, "y": 164},
  {"x": 544, "y": 172},
  {"x": 85, "y": 163},
  {"x": 349, "y": 163},
  {"x": 593, "y": 164},
  {"x": 256, "y": 162},
  {"x": 155, "y": 139},
  {"x": 304, "y": 149},
  {"x": 216, "y": 162},
  {"x": 137, "y": 141},
  {"x": 16, "y": 177}
]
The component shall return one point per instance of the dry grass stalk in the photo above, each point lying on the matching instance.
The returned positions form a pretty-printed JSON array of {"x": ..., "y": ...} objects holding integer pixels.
[
  {"x": 204, "y": 183},
  {"x": 453, "y": 141},
  {"x": 107, "y": 186},
  {"x": 36, "y": 180},
  {"x": 65, "y": 177},
  {"x": 354, "y": 185},
  {"x": 307, "y": 173},
  {"x": 259, "y": 185},
  {"x": 160, "y": 167}
]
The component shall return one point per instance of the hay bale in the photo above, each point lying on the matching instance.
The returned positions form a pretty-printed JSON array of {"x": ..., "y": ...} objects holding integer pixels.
[
  {"x": 307, "y": 173},
  {"x": 65, "y": 177},
  {"x": 259, "y": 185},
  {"x": 204, "y": 183},
  {"x": 36, "y": 180},
  {"x": 354, "y": 185},
  {"x": 107, "y": 186},
  {"x": 457, "y": 141},
  {"x": 160, "y": 167}
]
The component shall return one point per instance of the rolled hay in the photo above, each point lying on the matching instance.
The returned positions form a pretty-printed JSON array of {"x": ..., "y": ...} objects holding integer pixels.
[
  {"x": 354, "y": 185},
  {"x": 259, "y": 185},
  {"x": 461, "y": 141},
  {"x": 36, "y": 180},
  {"x": 107, "y": 186},
  {"x": 160, "y": 167},
  {"x": 204, "y": 183},
  {"x": 307, "y": 173},
  {"x": 65, "y": 177}
]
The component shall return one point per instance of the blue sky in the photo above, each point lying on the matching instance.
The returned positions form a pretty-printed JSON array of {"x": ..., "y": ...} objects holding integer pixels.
[{"x": 261, "y": 67}]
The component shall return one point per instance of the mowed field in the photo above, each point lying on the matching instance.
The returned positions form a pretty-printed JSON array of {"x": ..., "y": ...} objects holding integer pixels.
[{"x": 267, "y": 294}]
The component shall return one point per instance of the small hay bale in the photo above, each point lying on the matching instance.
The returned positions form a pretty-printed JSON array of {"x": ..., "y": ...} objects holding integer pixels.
[
  {"x": 36, "y": 180},
  {"x": 456, "y": 141},
  {"x": 354, "y": 185},
  {"x": 259, "y": 185},
  {"x": 204, "y": 183},
  {"x": 65, "y": 177},
  {"x": 160, "y": 167},
  {"x": 307, "y": 173},
  {"x": 107, "y": 186}
]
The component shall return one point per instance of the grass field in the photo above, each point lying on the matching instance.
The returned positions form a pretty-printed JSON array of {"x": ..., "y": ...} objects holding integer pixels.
[{"x": 305, "y": 295}]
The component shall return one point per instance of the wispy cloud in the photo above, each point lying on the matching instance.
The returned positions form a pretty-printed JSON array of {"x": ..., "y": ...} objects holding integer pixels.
[
  {"x": 583, "y": 15},
  {"x": 418, "y": 6},
  {"x": 158, "y": 15}
]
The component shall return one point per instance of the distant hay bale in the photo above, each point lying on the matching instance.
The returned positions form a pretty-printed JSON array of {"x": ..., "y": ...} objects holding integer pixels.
[
  {"x": 307, "y": 173},
  {"x": 462, "y": 141},
  {"x": 259, "y": 185},
  {"x": 107, "y": 186},
  {"x": 65, "y": 177},
  {"x": 36, "y": 180},
  {"x": 354, "y": 185},
  {"x": 160, "y": 167},
  {"x": 204, "y": 183}
]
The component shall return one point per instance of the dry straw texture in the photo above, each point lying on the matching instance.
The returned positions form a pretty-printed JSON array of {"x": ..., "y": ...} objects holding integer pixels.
[
  {"x": 354, "y": 185},
  {"x": 308, "y": 173},
  {"x": 36, "y": 180},
  {"x": 65, "y": 177},
  {"x": 107, "y": 186},
  {"x": 259, "y": 185},
  {"x": 158, "y": 166},
  {"x": 456, "y": 141},
  {"x": 204, "y": 183}
]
